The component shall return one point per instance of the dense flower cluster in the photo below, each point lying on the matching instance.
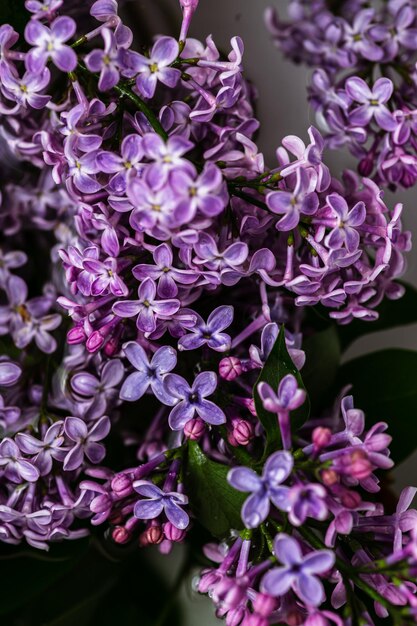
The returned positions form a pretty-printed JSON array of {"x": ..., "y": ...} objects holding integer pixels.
[
  {"x": 364, "y": 85},
  {"x": 172, "y": 263}
]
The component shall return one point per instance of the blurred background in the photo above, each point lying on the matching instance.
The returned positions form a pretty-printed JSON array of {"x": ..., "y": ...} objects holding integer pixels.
[{"x": 282, "y": 109}]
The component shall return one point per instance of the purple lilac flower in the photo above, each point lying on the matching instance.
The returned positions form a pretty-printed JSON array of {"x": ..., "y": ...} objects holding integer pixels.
[
  {"x": 105, "y": 61},
  {"x": 298, "y": 571},
  {"x": 209, "y": 333},
  {"x": 288, "y": 397},
  {"x": 10, "y": 260},
  {"x": 99, "y": 390},
  {"x": 293, "y": 203},
  {"x": 146, "y": 308},
  {"x": 43, "y": 10},
  {"x": 264, "y": 489},
  {"x": 306, "y": 501},
  {"x": 372, "y": 102},
  {"x": 46, "y": 450},
  {"x": 168, "y": 277},
  {"x": 157, "y": 501},
  {"x": 150, "y": 373},
  {"x": 358, "y": 36},
  {"x": 203, "y": 194},
  {"x": 26, "y": 90},
  {"x": 348, "y": 221},
  {"x": 49, "y": 43},
  {"x": 192, "y": 400},
  {"x": 13, "y": 466},
  {"x": 156, "y": 67},
  {"x": 121, "y": 166},
  {"x": 85, "y": 440}
]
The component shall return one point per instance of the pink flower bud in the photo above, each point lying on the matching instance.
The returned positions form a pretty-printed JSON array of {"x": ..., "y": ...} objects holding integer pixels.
[
  {"x": 366, "y": 165},
  {"x": 329, "y": 477},
  {"x": 321, "y": 437},
  {"x": 120, "y": 535},
  {"x": 112, "y": 346},
  {"x": 194, "y": 429},
  {"x": 255, "y": 620},
  {"x": 358, "y": 465},
  {"x": 189, "y": 4},
  {"x": 122, "y": 485},
  {"x": 351, "y": 499},
  {"x": 172, "y": 533},
  {"x": 264, "y": 605},
  {"x": 95, "y": 341},
  {"x": 76, "y": 335},
  {"x": 230, "y": 368},
  {"x": 241, "y": 433},
  {"x": 152, "y": 536}
]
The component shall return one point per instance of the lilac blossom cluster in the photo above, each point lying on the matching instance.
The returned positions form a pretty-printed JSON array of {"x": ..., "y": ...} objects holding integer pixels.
[
  {"x": 174, "y": 262},
  {"x": 364, "y": 83}
]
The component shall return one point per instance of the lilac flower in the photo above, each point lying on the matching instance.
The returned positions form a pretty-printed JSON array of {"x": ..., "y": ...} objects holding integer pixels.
[
  {"x": 121, "y": 166},
  {"x": 105, "y": 61},
  {"x": 165, "y": 156},
  {"x": 298, "y": 571},
  {"x": 14, "y": 467},
  {"x": 26, "y": 90},
  {"x": 9, "y": 373},
  {"x": 101, "y": 390},
  {"x": 264, "y": 489},
  {"x": 146, "y": 308},
  {"x": 372, "y": 102},
  {"x": 347, "y": 223},
  {"x": 399, "y": 33},
  {"x": 49, "y": 43},
  {"x": 208, "y": 254},
  {"x": 157, "y": 501},
  {"x": 44, "y": 451},
  {"x": 293, "y": 203},
  {"x": 359, "y": 36},
  {"x": 85, "y": 441},
  {"x": 288, "y": 397},
  {"x": 306, "y": 501},
  {"x": 163, "y": 271},
  {"x": 156, "y": 67},
  {"x": 82, "y": 168},
  {"x": 210, "y": 333},
  {"x": 192, "y": 400},
  {"x": 201, "y": 194},
  {"x": 150, "y": 373},
  {"x": 104, "y": 277},
  {"x": 43, "y": 10}
]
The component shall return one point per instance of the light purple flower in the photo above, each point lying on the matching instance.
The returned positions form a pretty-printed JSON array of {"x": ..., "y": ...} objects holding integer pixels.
[
  {"x": 9, "y": 373},
  {"x": 10, "y": 260},
  {"x": 99, "y": 390},
  {"x": 163, "y": 271},
  {"x": 264, "y": 489},
  {"x": 14, "y": 467},
  {"x": 156, "y": 67},
  {"x": 306, "y": 501},
  {"x": 105, "y": 61},
  {"x": 153, "y": 208},
  {"x": 210, "y": 333},
  {"x": 121, "y": 166},
  {"x": 43, "y": 10},
  {"x": 288, "y": 397},
  {"x": 150, "y": 373},
  {"x": 293, "y": 203},
  {"x": 104, "y": 277},
  {"x": 157, "y": 501},
  {"x": 192, "y": 400},
  {"x": 146, "y": 308},
  {"x": 82, "y": 168},
  {"x": 44, "y": 451},
  {"x": 203, "y": 193},
  {"x": 85, "y": 440},
  {"x": 298, "y": 571},
  {"x": 26, "y": 90},
  {"x": 49, "y": 43},
  {"x": 372, "y": 102},
  {"x": 358, "y": 36},
  {"x": 347, "y": 222}
]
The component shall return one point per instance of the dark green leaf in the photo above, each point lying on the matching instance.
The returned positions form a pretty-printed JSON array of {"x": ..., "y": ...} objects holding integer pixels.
[
  {"x": 13, "y": 12},
  {"x": 278, "y": 365},
  {"x": 214, "y": 502},
  {"x": 322, "y": 362},
  {"x": 392, "y": 313},
  {"x": 384, "y": 386}
]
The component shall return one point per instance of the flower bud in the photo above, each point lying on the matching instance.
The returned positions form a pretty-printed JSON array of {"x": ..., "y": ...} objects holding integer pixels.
[
  {"x": 329, "y": 477},
  {"x": 194, "y": 429},
  {"x": 230, "y": 368},
  {"x": 264, "y": 604},
  {"x": 241, "y": 433},
  {"x": 122, "y": 485},
  {"x": 321, "y": 437},
  {"x": 76, "y": 335},
  {"x": 151, "y": 536},
  {"x": 351, "y": 499},
  {"x": 95, "y": 341},
  {"x": 172, "y": 533},
  {"x": 358, "y": 465},
  {"x": 112, "y": 346},
  {"x": 121, "y": 535},
  {"x": 366, "y": 165},
  {"x": 255, "y": 620}
]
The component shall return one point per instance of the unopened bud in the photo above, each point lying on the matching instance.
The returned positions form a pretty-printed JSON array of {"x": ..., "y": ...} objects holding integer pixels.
[
  {"x": 351, "y": 499},
  {"x": 329, "y": 477},
  {"x": 230, "y": 368},
  {"x": 122, "y": 485},
  {"x": 194, "y": 429},
  {"x": 121, "y": 535},
  {"x": 152, "y": 536},
  {"x": 241, "y": 433},
  {"x": 264, "y": 605},
  {"x": 172, "y": 533},
  {"x": 321, "y": 437}
]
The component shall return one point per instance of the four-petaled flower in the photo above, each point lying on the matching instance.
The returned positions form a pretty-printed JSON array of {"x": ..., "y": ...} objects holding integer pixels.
[
  {"x": 264, "y": 489},
  {"x": 156, "y": 67},
  {"x": 157, "y": 501},
  {"x": 49, "y": 43},
  {"x": 372, "y": 102},
  {"x": 45, "y": 450},
  {"x": 85, "y": 441},
  {"x": 348, "y": 221},
  {"x": 150, "y": 373},
  {"x": 209, "y": 332}
]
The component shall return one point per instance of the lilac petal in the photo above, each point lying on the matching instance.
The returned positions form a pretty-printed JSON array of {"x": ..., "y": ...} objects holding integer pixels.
[
  {"x": 164, "y": 359},
  {"x": 352, "y": 239},
  {"x": 63, "y": 28},
  {"x": 136, "y": 355},
  {"x": 112, "y": 373},
  {"x": 9, "y": 373},
  {"x": 27, "y": 471},
  {"x": 95, "y": 452},
  {"x": 385, "y": 119},
  {"x": 165, "y": 51},
  {"x": 191, "y": 342},
  {"x": 279, "y": 201},
  {"x": 65, "y": 59},
  {"x": 287, "y": 550},
  {"x": 28, "y": 444},
  {"x": 176, "y": 515},
  {"x": 127, "y": 308},
  {"x": 85, "y": 384},
  {"x": 100, "y": 429},
  {"x": 338, "y": 204},
  {"x": 74, "y": 458},
  {"x": 268, "y": 397},
  {"x": 237, "y": 253},
  {"x": 180, "y": 415},
  {"x": 289, "y": 221},
  {"x": 109, "y": 162},
  {"x": 244, "y": 479},
  {"x": 318, "y": 562},
  {"x": 146, "y": 321},
  {"x": 255, "y": 509},
  {"x": 134, "y": 386},
  {"x": 75, "y": 428},
  {"x": 358, "y": 90},
  {"x": 278, "y": 467},
  {"x": 277, "y": 582},
  {"x": 220, "y": 342},
  {"x": 147, "y": 290},
  {"x": 148, "y": 509},
  {"x": 205, "y": 383},
  {"x": 166, "y": 308},
  {"x": 309, "y": 589},
  {"x": 280, "y": 497},
  {"x": 357, "y": 214},
  {"x": 176, "y": 386},
  {"x": 382, "y": 90},
  {"x": 146, "y": 84},
  {"x": 220, "y": 318},
  {"x": 147, "y": 489},
  {"x": 361, "y": 116},
  {"x": 210, "y": 413}
]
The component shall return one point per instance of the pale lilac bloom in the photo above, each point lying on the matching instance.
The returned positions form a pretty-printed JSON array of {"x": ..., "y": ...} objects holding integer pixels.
[
  {"x": 43, "y": 9},
  {"x": 131, "y": 154},
  {"x": 306, "y": 501},
  {"x": 163, "y": 271},
  {"x": 288, "y": 397},
  {"x": 208, "y": 254},
  {"x": 192, "y": 400},
  {"x": 44, "y": 451},
  {"x": 156, "y": 67},
  {"x": 298, "y": 571},
  {"x": 101, "y": 390},
  {"x": 37, "y": 329},
  {"x": 358, "y": 36},
  {"x": 157, "y": 501},
  {"x": 84, "y": 141},
  {"x": 13, "y": 466},
  {"x": 152, "y": 208},
  {"x": 105, "y": 61},
  {"x": 345, "y": 231},
  {"x": 82, "y": 168},
  {"x": 399, "y": 33},
  {"x": 204, "y": 193},
  {"x": 150, "y": 373},
  {"x": 269, "y": 336},
  {"x": 9, "y": 372},
  {"x": 372, "y": 102},
  {"x": 210, "y": 333},
  {"x": 85, "y": 441},
  {"x": 293, "y": 203},
  {"x": 146, "y": 308},
  {"x": 405, "y": 518},
  {"x": 49, "y": 43},
  {"x": 264, "y": 489},
  {"x": 104, "y": 277},
  {"x": 166, "y": 156},
  {"x": 26, "y": 90}
]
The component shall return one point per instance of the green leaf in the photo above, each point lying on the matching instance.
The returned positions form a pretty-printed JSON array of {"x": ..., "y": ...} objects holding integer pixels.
[
  {"x": 392, "y": 313},
  {"x": 13, "y": 12},
  {"x": 278, "y": 365},
  {"x": 323, "y": 353},
  {"x": 384, "y": 386},
  {"x": 214, "y": 502}
]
